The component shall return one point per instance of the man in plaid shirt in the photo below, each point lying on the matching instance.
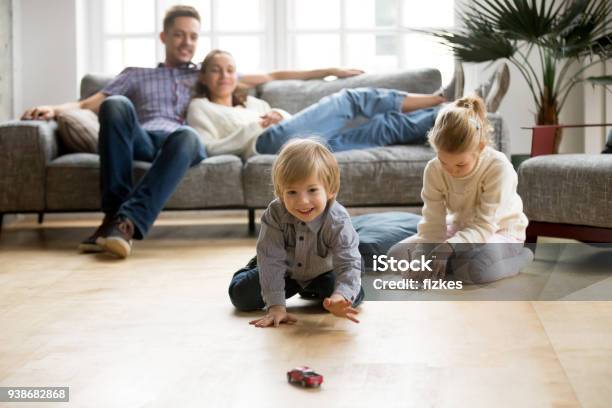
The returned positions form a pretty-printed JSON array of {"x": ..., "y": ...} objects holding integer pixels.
[{"x": 142, "y": 114}]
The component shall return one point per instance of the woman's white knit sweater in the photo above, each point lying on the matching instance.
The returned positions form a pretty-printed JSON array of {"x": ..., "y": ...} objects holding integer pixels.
[
  {"x": 483, "y": 203},
  {"x": 229, "y": 129}
]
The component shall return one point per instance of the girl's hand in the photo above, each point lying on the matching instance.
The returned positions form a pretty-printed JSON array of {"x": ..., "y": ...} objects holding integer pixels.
[
  {"x": 419, "y": 252},
  {"x": 438, "y": 268},
  {"x": 276, "y": 315},
  {"x": 270, "y": 118},
  {"x": 339, "y": 306},
  {"x": 438, "y": 257}
]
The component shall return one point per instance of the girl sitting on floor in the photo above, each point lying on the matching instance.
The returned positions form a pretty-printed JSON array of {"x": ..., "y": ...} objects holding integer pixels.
[{"x": 472, "y": 214}]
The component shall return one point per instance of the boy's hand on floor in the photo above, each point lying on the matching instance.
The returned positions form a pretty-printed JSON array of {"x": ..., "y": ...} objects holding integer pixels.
[
  {"x": 276, "y": 315},
  {"x": 339, "y": 306}
]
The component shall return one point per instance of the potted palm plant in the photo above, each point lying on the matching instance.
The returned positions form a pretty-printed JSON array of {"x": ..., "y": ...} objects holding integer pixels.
[{"x": 559, "y": 33}]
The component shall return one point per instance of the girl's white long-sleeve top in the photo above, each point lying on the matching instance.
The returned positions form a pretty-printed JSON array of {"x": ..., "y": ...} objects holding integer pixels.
[
  {"x": 483, "y": 203},
  {"x": 229, "y": 129}
]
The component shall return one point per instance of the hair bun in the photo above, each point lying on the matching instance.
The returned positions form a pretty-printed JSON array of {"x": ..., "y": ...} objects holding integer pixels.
[
  {"x": 465, "y": 103},
  {"x": 474, "y": 104}
]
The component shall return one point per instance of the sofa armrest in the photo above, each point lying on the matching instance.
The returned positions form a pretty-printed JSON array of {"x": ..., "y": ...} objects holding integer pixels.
[
  {"x": 25, "y": 149},
  {"x": 501, "y": 134}
]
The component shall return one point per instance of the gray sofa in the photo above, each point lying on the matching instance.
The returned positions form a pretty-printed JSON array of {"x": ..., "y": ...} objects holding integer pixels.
[
  {"x": 566, "y": 195},
  {"x": 37, "y": 176}
]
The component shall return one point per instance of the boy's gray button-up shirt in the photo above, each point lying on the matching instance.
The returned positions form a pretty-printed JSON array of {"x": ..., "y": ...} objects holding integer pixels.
[{"x": 303, "y": 251}]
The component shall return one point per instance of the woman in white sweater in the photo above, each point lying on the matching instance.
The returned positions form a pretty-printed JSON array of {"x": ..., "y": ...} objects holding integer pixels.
[
  {"x": 469, "y": 195},
  {"x": 230, "y": 122}
]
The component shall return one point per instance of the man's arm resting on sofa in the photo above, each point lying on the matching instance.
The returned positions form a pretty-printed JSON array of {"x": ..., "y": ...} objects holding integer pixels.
[
  {"x": 48, "y": 112},
  {"x": 253, "y": 80}
]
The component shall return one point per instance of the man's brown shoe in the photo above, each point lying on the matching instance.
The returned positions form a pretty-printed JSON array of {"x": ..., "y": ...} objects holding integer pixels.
[
  {"x": 89, "y": 244},
  {"x": 118, "y": 241}
]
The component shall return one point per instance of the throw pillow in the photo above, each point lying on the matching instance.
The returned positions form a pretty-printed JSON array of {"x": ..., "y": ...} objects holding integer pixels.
[
  {"x": 378, "y": 232},
  {"x": 78, "y": 130}
]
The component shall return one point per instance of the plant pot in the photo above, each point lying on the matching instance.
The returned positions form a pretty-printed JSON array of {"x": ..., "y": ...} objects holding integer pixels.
[{"x": 548, "y": 114}]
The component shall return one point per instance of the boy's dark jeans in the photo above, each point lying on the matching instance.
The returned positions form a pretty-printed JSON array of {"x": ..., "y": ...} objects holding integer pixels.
[{"x": 245, "y": 290}]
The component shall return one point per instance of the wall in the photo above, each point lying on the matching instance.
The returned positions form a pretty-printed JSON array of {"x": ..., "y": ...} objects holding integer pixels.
[
  {"x": 6, "y": 60},
  {"x": 46, "y": 60}
]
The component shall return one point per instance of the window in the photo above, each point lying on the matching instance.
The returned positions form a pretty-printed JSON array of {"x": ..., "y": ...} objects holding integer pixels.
[
  {"x": 374, "y": 35},
  {"x": 264, "y": 35}
]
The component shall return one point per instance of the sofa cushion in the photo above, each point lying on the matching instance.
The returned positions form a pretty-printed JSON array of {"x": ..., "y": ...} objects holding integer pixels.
[
  {"x": 73, "y": 183},
  {"x": 378, "y": 232},
  {"x": 78, "y": 129},
  {"x": 390, "y": 175},
  {"x": 567, "y": 188},
  {"x": 295, "y": 95}
]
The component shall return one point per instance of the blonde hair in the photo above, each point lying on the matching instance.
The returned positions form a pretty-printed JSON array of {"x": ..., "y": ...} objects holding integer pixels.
[
  {"x": 301, "y": 158},
  {"x": 461, "y": 127}
]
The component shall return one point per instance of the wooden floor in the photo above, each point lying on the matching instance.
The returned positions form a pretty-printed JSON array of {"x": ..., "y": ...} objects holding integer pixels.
[{"x": 158, "y": 330}]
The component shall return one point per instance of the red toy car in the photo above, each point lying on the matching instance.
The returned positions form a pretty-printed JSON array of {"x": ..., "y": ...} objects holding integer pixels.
[{"x": 305, "y": 376}]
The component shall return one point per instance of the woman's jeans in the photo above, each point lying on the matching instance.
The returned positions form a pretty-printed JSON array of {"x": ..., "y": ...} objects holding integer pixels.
[
  {"x": 122, "y": 140},
  {"x": 330, "y": 117}
]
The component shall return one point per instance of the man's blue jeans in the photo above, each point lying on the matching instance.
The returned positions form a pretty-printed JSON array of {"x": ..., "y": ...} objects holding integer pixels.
[
  {"x": 329, "y": 118},
  {"x": 122, "y": 140}
]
